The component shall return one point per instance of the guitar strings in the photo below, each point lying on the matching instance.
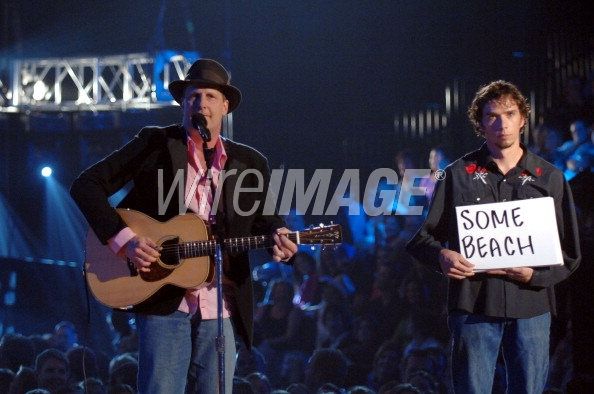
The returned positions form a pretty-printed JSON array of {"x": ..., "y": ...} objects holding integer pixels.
[{"x": 211, "y": 244}]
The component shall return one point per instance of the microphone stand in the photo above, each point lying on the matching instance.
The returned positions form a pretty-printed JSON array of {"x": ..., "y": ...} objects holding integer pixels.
[
  {"x": 199, "y": 123},
  {"x": 218, "y": 257},
  {"x": 221, "y": 336}
]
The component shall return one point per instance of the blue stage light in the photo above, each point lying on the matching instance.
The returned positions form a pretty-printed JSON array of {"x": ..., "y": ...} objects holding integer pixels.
[{"x": 46, "y": 171}]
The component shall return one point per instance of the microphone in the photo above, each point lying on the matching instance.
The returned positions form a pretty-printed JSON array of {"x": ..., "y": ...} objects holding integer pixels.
[{"x": 199, "y": 123}]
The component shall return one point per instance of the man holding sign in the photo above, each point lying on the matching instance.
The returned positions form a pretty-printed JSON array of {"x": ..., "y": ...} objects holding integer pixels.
[{"x": 508, "y": 305}]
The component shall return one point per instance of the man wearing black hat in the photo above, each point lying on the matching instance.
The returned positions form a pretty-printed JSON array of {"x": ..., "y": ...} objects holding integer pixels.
[{"x": 177, "y": 327}]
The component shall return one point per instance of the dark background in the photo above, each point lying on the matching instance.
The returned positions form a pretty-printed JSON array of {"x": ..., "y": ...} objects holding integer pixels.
[{"x": 321, "y": 79}]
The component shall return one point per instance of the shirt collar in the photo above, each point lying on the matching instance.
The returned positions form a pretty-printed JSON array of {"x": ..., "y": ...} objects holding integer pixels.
[
  {"x": 527, "y": 162},
  {"x": 220, "y": 154},
  {"x": 530, "y": 163}
]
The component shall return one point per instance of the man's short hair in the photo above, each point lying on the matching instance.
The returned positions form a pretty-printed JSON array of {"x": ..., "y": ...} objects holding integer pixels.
[{"x": 494, "y": 91}]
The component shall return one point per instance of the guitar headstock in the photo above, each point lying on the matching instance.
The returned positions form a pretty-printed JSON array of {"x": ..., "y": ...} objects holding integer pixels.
[{"x": 321, "y": 235}]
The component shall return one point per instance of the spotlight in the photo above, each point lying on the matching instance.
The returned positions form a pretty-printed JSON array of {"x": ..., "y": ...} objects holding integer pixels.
[
  {"x": 46, "y": 171},
  {"x": 39, "y": 91}
]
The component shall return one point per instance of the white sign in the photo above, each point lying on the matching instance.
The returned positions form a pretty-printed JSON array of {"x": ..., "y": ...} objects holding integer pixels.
[{"x": 521, "y": 233}]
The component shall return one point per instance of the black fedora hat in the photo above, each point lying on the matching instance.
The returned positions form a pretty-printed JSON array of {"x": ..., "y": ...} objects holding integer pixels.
[{"x": 210, "y": 74}]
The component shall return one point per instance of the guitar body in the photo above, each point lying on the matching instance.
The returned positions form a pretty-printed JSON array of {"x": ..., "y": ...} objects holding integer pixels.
[
  {"x": 186, "y": 256},
  {"x": 116, "y": 283}
]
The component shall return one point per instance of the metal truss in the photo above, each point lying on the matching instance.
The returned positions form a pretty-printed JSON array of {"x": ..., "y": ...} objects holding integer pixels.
[{"x": 95, "y": 83}]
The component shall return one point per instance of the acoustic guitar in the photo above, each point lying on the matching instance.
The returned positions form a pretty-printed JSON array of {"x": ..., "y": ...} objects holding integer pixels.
[{"x": 186, "y": 258}]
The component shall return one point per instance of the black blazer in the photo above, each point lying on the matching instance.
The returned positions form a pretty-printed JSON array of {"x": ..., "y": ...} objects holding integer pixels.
[{"x": 162, "y": 152}]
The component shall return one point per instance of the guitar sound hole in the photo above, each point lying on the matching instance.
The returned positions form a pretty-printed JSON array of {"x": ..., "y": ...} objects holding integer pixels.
[{"x": 170, "y": 255}]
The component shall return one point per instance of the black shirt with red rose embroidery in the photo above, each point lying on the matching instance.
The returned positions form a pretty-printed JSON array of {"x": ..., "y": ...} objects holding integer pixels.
[{"x": 476, "y": 179}]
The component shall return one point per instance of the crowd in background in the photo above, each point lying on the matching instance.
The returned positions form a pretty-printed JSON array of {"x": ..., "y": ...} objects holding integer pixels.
[{"x": 362, "y": 317}]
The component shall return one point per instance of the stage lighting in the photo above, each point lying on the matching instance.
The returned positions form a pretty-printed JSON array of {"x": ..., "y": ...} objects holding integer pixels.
[
  {"x": 46, "y": 171},
  {"x": 39, "y": 91}
]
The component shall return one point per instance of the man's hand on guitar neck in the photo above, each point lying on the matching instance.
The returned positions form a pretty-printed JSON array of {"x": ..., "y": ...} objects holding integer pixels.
[
  {"x": 142, "y": 252},
  {"x": 284, "y": 248}
]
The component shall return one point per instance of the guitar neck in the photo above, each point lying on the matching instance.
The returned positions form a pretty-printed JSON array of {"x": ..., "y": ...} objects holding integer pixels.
[{"x": 242, "y": 244}]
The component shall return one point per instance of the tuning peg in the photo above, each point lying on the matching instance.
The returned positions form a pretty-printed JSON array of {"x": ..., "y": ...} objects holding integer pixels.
[{"x": 322, "y": 225}]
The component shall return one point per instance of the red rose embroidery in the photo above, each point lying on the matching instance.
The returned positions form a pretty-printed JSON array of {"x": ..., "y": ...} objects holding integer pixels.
[
  {"x": 478, "y": 171},
  {"x": 471, "y": 168},
  {"x": 538, "y": 171}
]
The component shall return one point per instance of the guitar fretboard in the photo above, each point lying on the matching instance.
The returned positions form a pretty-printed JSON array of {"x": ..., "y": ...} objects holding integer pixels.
[{"x": 207, "y": 248}]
